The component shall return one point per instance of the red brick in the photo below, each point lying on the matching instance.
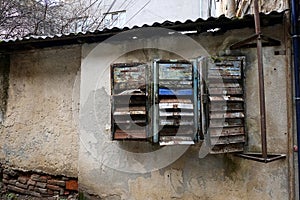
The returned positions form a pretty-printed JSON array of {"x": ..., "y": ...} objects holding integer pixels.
[
  {"x": 20, "y": 185},
  {"x": 50, "y": 192},
  {"x": 10, "y": 172},
  {"x": 5, "y": 176},
  {"x": 31, "y": 188},
  {"x": 72, "y": 185},
  {"x": 39, "y": 178},
  {"x": 53, "y": 187},
  {"x": 12, "y": 182},
  {"x": 33, "y": 193},
  {"x": 56, "y": 182},
  {"x": 31, "y": 182},
  {"x": 40, "y": 184},
  {"x": 40, "y": 190},
  {"x": 35, "y": 177},
  {"x": 16, "y": 189},
  {"x": 23, "y": 179}
]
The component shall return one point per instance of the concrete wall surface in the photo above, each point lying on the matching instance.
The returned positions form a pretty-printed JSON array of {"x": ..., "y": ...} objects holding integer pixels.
[
  {"x": 39, "y": 132},
  {"x": 140, "y": 170}
]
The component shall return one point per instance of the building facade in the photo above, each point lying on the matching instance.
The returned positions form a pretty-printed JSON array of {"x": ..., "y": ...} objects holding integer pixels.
[{"x": 155, "y": 112}]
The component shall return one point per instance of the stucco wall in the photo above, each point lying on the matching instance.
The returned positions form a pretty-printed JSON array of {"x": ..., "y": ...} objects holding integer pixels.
[
  {"x": 140, "y": 170},
  {"x": 39, "y": 132}
]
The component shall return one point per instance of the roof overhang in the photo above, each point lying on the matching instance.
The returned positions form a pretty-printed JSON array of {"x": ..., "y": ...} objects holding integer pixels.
[{"x": 199, "y": 26}]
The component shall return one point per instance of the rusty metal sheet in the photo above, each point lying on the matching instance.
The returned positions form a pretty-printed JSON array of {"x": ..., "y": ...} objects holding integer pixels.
[
  {"x": 123, "y": 101},
  {"x": 171, "y": 131},
  {"x": 176, "y": 100},
  {"x": 175, "y": 106},
  {"x": 216, "y": 132},
  {"x": 175, "y": 71},
  {"x": 129, "y": 98},
  {"x": 230, "y": 91},
  {"x": 224, "y": 71},
  {"x": 133, "y": 112},
  {"x": 175, "y": 114},
  {"x": 129, "y": 85},
  {"x": 226, "y": 98},
  {"x": 224, "y": 77},
  {"x": 226, "y": 123},
  {"x": 175, "y": 84},
  {"x": 228, "y": 148},
  {"x": 228, "y": 140},
  {"x": 224, "y": 85},
  {"x": 227, "y": 107},
  {"x": 175, "y": 122},
  {"x": 129, "y": 121},
  {"x": 128, "y": 74},
  {"x": 176, "y": 140},
  {"x": 130, "y": 134},
  {"x": 131, "y": 92},
  {"x": 217, "y": 115},
  {"x": 141, "y": 110},
  {"x": 131, "y": 108}
]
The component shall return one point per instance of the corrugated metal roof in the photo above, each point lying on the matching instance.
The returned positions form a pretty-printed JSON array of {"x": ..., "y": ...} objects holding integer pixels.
[{"x": 199, "y": 25}]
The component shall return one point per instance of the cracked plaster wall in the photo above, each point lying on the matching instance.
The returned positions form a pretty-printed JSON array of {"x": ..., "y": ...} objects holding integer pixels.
[
  {"x": 110, "y": 169},
  {"x": 40, "y": 127},
  {"x": 39, "y": 132}
]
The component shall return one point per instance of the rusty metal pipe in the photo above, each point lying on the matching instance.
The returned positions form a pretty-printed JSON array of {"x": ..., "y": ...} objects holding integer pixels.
[
  {"x": 261, "y": 82},
  {"x": 296, "y": 58}
]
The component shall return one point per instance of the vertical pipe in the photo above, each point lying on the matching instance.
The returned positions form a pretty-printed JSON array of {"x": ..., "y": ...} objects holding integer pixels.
[
  {"x": 295, "y": 37},
  {"x": 261, "y": 82},
  {"x": 195, "y": 99},
  {"x": 155, "y": 103}
]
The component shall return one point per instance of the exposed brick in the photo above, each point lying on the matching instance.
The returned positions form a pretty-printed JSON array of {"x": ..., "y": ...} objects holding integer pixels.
[
  {"x": 5, "y": 176},
  {"x": 23, "y": 179},
  {"x": 57, "y": 182},
  {"x": 4, "y": 189},
  {"x": 5, "y": 181},
  {"x": 16, "y": 189},
  {"x": 43, "y": 179},
  {"x": 10, "y": 172},
  {"x": 20, "y": 185},
  {"x": 35, "y": 177},
  {"x": 33, "y": 193},
  {"x": 72, "y": 185},
  {"x": 31, "y": 188},
  {"x": 53, "y": 187},
  {"x": 50, "y": 192},
  {"x": 40, "y": 190},
  {"x": 31, "y": 182},
  {"x": 41, "y": 185},
  {"x": 12, "y": 182},
  {"x": 39, "y": 178}
]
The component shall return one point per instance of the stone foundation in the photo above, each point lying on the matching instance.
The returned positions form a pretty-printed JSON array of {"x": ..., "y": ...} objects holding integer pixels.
[{"x": 37, "y": 184}]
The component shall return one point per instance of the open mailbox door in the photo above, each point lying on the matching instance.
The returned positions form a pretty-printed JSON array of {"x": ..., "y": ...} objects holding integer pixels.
[
  {"x": 130, "y": 101},
  {"x": 223, "y": 104},
  {"x": 175, "y": 113},
  {"x": 181, "y": 102}
]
